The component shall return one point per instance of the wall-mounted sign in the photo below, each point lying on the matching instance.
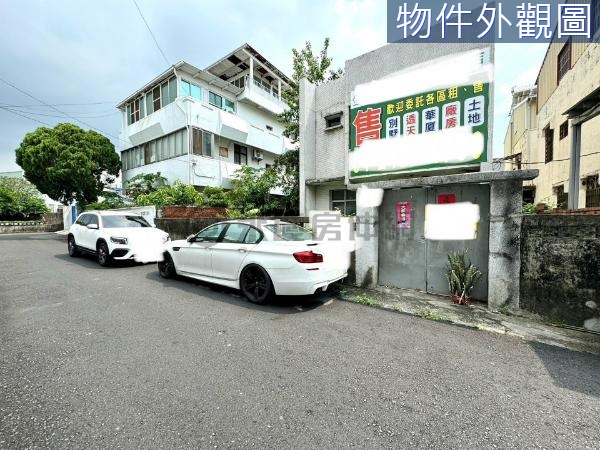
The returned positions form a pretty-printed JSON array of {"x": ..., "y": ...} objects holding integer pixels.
[
  {"x": 403, "y": 215},
  {"x": 446, "y": 198},
  {"x": 435, "y": 115}
]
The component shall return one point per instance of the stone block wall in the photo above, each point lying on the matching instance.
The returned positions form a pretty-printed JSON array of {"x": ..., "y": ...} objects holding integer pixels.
[{"x": 560, "y": 268}]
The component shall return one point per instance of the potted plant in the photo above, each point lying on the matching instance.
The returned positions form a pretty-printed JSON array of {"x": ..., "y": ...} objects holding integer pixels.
[{"x": 462, "y": 277}]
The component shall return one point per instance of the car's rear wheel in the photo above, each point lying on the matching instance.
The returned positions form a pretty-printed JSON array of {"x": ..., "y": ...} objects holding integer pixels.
[
  {"x": 72, "y": 247},
  {"x": 166, "y": 267},
  {"x": 256, "y": 284},
  {"x": 103, "y": 255}
]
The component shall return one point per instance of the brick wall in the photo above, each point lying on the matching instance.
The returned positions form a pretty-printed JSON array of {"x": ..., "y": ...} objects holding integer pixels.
[{"x": 560, "y": 268}]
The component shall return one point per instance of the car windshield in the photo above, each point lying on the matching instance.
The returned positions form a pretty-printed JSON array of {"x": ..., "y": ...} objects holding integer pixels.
[
  {"x": 124, "y": 222},
  {"x": 290, "y": 232}
]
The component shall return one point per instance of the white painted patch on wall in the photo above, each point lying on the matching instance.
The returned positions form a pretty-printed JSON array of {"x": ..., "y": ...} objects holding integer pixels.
[
  {"x": 453, "y": 145},
  {"x": 368, "y": 197},
  {"x": 451, "y": 221},
  {"x": 457, "y": 70}
]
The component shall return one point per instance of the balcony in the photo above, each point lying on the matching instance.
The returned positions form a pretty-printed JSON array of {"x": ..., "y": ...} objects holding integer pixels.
[{"x": 262, "y": 96}]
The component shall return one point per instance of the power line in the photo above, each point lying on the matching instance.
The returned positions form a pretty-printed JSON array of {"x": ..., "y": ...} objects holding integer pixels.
[
  {"x": 58, "y": 116},
  {"x": 27, "y": 117},
  {"x": 506, "y": 159},
  {"x": 61, "y": 104},
  {"x": 59, "y": 111},
  {"x": 151, "y": 33}
]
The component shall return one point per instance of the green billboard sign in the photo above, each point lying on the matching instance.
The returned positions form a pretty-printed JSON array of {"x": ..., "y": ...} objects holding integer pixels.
[{"x": 437, "y": 129}]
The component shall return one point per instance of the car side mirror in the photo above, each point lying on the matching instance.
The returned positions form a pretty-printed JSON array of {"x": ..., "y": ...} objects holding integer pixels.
[
  {"x": 191, "y": 238},
  {"x": 92, "y": 226}
]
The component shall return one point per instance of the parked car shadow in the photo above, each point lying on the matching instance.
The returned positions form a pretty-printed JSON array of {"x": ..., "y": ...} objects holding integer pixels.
[
  {"x": 576, "y": 371},
  {"x": 89, "y": 261},
  {"x": 278, "y": 305}
]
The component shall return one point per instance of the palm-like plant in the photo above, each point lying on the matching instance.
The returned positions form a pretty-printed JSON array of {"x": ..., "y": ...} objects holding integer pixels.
[{"x": 462, "y": 276}]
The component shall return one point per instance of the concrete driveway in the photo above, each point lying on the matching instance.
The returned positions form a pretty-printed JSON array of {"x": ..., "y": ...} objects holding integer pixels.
[{"x": 119, "y": 358}]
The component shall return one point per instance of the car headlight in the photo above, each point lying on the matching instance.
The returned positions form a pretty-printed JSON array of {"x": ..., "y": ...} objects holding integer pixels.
[
  {"x": 166, "y": 239},
  {"x": 118, "y": 240}
]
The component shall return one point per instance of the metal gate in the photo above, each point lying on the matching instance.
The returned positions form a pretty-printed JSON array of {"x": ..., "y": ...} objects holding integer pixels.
[{"x": 407, "y": 259}]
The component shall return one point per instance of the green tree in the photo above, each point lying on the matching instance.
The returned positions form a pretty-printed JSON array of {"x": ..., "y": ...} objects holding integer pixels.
[
  {"x": 19, "y": 199},
  {"x": 67, "y": 163},
  {"x": 251, "y": 190},
  {"x": 315, "y": 68},
  {"x": 287, "y": 168},
  {"x": 177, "y": 195},
  {"x": 110, "y": 200},
  {"x": 145, "y": 183}
]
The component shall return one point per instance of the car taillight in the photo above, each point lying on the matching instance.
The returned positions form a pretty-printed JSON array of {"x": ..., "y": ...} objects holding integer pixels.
[{"x": 308, "y": 257}]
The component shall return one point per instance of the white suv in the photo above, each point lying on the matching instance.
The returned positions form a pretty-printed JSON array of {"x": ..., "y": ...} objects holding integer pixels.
[{"x": 115, "y": 235}]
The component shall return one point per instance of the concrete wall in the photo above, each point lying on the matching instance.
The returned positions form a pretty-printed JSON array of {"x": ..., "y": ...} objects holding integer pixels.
[{"x": 560, "y": 272}]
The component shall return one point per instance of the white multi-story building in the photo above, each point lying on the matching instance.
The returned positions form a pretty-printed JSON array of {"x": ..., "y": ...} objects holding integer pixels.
[{"x": 199, "y": 126}]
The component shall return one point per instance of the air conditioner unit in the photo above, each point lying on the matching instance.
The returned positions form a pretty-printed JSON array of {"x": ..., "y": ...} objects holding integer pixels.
[{"x": 258, "y": 154}]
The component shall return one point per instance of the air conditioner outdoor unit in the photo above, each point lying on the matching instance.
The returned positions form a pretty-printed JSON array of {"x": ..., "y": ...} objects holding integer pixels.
[{"x": 258, "y": 154}]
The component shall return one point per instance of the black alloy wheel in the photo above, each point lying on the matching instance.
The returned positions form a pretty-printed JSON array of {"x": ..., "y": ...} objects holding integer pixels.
[
  {"x": 255, "y": 284},
  {"x": 166, "y": 267},
  {"x": 104, "y": 258},
  {"x": 72, "y": 246}
]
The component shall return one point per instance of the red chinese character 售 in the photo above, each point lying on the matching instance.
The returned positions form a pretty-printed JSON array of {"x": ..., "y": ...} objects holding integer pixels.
[{"x": 367, "y": 124}]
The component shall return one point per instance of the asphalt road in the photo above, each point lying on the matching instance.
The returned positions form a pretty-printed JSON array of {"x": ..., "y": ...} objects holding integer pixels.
[{"x": 119, "y": 358}]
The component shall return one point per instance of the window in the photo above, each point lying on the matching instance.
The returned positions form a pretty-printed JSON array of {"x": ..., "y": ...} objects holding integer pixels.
[
  {"x": 549, "y": 144},
  {"x": 269, "y": 128},
  {"x": 236, "y": 233},
  {"x": 518, "y": 161},
  {"x": 156, "y": 99},
  {"x": 134, "y": 111},
  {"x": 169, "y": 146},
  {"x": 562, "y": 197},
  {"x": 201, "y": 142},
  {"x": 92, "y": 219},
  {"x": 290, "y": 232},
  {"x": 186, "y": 89},
  {"x": 210, "y": 234},
  {"x": 228, "y": 105},
  {"x": 240, "y": 82},
  {"x": 592, "y": 191},
  {"x": 240, "y": 154},
  {"x": 563, "y": 131},
  {"x": 83, "y": 220},
  {"x": 344, "y": 201},
  {"x": 253, "y": 237},
  {"x": 564, "y": 61},
  {"x": 124, "y": 222},
  {"x": 333, "y": 121},
  {"x": 215, "y": 100},
  {"x": 191, "y": 90},
  {"x": 149, "y": 108}
]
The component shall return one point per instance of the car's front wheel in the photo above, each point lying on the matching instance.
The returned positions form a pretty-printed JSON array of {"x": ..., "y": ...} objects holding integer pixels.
[
  {"x": 166, "y": 267},
  {"x": 256, "y": 284},
  {"x": 72, "y": 247},
  {"x": 103, "y": 254}
]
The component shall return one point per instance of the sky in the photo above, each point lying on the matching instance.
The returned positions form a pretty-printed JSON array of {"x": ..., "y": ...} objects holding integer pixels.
[{"x": 86, "y": 56}]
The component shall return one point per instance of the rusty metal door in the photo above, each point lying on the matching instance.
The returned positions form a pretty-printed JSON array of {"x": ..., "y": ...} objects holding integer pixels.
[{"x": 407, "y": 259}]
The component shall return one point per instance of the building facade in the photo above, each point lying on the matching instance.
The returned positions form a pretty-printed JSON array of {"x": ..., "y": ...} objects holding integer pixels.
[
  {"x": 199, "y": 126},
  {"x": 561, "y": 125},
  {"x": 407, "y": 151}
]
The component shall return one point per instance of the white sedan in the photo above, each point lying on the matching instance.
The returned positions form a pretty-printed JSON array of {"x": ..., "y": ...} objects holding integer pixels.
[{"x": 262, "y": 258}]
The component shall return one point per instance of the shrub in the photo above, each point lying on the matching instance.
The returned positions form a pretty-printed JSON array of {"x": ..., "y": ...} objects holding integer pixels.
[
  {"x": 215, "y": 196},
  {"x": 462, "y": 276},
  {"x": 177, "y": 195},
  {"x": 145, "y": 183},
  {"x": 19, "y": 199}
]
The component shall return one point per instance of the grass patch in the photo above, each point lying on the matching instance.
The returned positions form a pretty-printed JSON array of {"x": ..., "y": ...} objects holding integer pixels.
[
  {"x": 429, "y": 315},
  {"x": 365, "y": 300},
  {"x": 505, "y": 310}
]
